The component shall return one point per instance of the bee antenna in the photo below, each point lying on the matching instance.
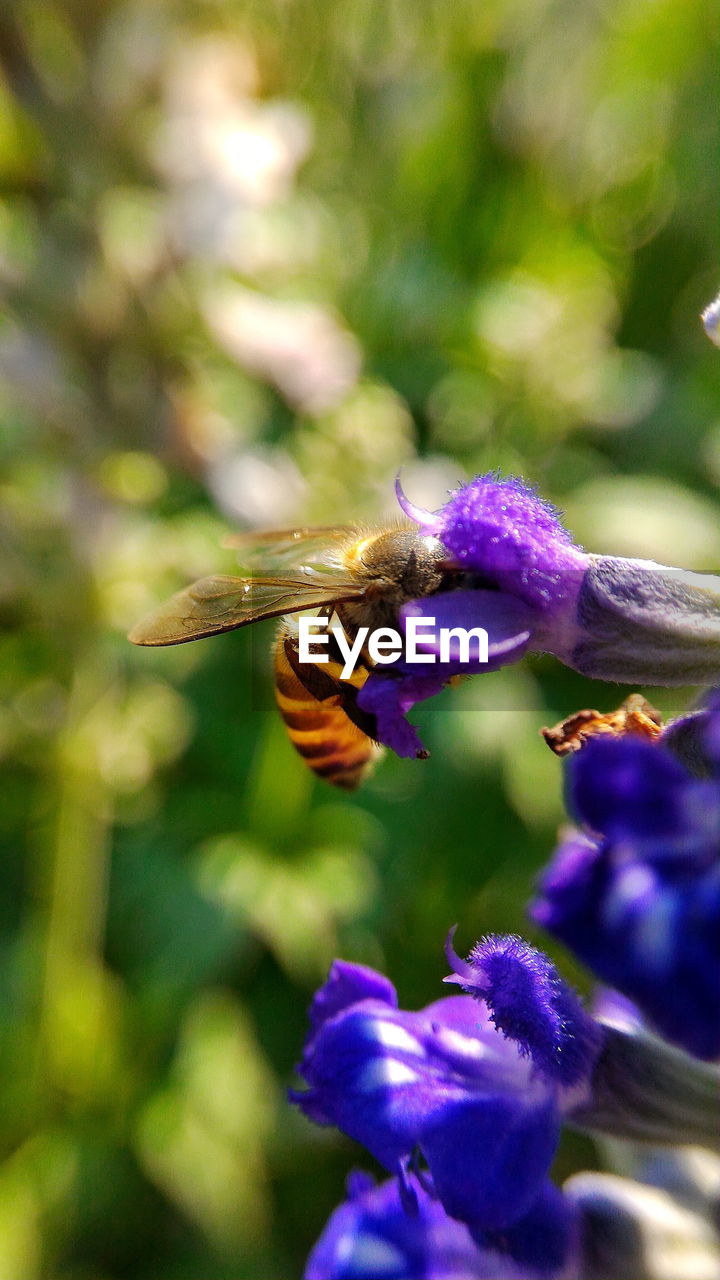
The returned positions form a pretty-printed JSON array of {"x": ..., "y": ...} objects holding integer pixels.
[{"x": 418, "y": 514}]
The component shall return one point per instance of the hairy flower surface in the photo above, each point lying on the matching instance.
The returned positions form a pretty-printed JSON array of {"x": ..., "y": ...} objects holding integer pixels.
[
  {"x": 530, "y": 1004},
  {"x": 636, "y": 894},
  {"x": 532, "y": 588},
  {"x": 502, "y": 530}
]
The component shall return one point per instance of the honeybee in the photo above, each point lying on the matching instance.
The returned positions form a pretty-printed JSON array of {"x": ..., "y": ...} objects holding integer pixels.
[{"x": 359, "y": 576}]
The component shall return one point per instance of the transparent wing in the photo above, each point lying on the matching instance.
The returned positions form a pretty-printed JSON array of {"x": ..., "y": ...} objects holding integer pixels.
[
  {"x": 282, "y": 550},
  {"x": 223, "y": 603}
]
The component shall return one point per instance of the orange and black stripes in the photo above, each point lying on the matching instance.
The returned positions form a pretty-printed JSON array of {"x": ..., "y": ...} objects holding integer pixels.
[{"x": 311, "y": 700}]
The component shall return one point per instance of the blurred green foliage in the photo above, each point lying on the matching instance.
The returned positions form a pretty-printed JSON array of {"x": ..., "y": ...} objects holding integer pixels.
[{"x": 254, "y": 257}]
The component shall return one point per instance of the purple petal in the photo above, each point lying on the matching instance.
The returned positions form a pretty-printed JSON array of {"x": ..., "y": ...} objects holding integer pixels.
[
  {"x": 462, "y": 972},
  {"x": 631, "y": 788},
  {"x": 385, "y": 1076},
  {"x": 388, "y": 698},
  {"x": 371, "y": 1237},
  {"x": 347, "y": 984},
  {"x": 488, "y": 1156},
  {"x": 694, "y": 738},
  {"x": 615, "y": 1010},
  {"x": 545, "y": 1238},
  {"x": 571, "y": 887},
  {"x": 424, "y": 518},
  {"x": 509, "y": 624}
]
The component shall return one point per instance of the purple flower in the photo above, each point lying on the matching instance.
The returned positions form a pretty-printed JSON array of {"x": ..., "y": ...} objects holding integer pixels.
[
  {"x": 636, "y": 895},
  {"x": 474, "y": 1087},
  {"x": 373, "y": 1236},
  {"x": 599, "y": 1225},
  {"x": 524, "y": 581},
  {"x": 463, "y": 1102}
]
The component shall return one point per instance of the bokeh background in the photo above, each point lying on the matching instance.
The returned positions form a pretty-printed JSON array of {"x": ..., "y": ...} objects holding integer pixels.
[{"x": 254, "y": 258}]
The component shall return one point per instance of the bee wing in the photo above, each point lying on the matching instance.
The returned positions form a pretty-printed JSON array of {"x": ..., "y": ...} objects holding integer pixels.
[
  {"x": 282, "y": 550},
  {"x": 223, "y": 603}
]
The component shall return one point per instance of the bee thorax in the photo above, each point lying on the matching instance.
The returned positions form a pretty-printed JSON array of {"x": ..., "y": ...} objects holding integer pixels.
[{"x": 401, "y": 565}]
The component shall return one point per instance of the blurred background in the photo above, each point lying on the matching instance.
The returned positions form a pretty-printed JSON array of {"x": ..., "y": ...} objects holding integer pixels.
[{"x": 254, "y": 257}]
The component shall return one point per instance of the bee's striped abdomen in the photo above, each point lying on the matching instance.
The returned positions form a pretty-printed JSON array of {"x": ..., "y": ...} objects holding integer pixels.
[{"x": 318, "y": 727}]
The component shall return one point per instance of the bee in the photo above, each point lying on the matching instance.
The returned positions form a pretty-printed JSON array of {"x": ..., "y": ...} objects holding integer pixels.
[{"x": 359, "y": 576}]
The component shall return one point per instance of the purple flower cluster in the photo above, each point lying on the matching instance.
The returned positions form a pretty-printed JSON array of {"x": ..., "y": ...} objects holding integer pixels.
[
  {"x": 526, "y": 582},
  {"x": 636, "y": 893},
  {"x": 463, "y": 1102}
]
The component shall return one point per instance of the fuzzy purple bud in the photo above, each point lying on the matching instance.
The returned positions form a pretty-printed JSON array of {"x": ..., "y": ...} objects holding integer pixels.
[
  {"x": 501, "y": 529},
  {"x": 529, "y": 1003}
]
